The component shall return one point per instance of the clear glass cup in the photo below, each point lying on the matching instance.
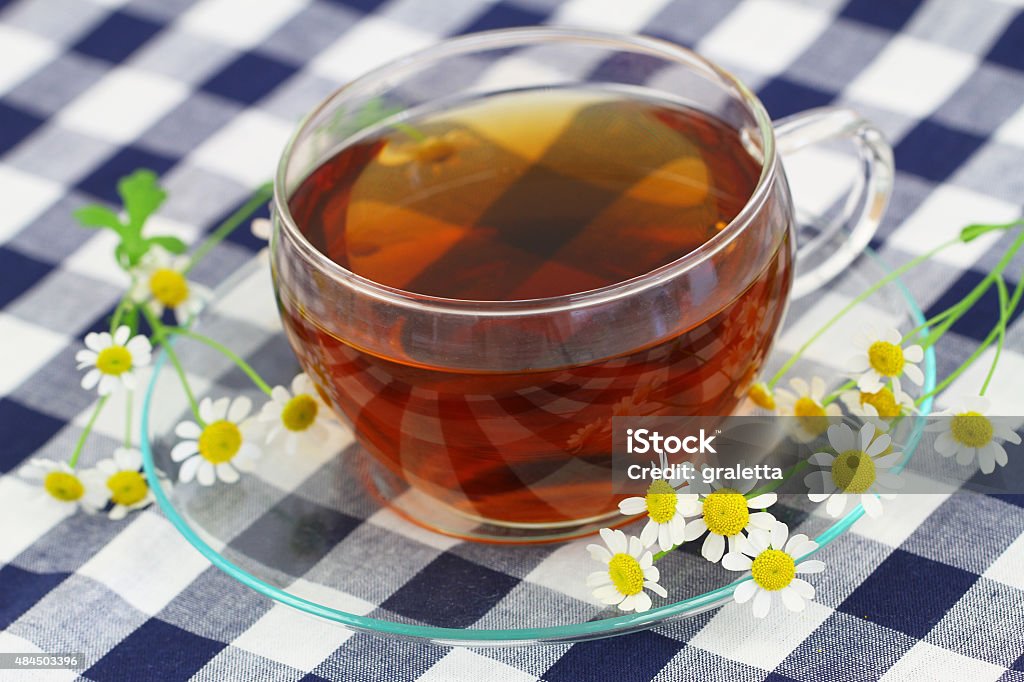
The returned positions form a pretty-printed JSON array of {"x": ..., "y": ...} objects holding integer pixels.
[{"x": 490, "y": 419}]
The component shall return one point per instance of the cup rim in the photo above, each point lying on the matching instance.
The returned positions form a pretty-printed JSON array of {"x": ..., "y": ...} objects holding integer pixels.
[{"x": 504, "y": 38}]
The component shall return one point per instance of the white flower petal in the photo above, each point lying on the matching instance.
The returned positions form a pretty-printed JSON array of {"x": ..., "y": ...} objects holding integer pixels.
[
  {"x": 779, "y": 533},
  {"x": 791, "y": 599},
  {"x": 239, "y": 410},
  {"x": 633, "y": 505},
  {"x": 656, "y": 589},
  {"x": 206, "y": 411},
  {"x": 642, "y": 602},
  {"x": 762, "y": 603},
  {"x": 914, "y": 373},
  {"x": 818, "y": 388},
  {"x": 664, "y": 537},
  {"x": 836, "y": 504},
  {"x": 91, "y": 378},
  {"x": 649, "y": 535},
  {"x": 744, "y": 591},
  {"x": 841, "y": 438},
  {"x": 184, "y": 450},
  {"x": 227, "y": 473},
  {"x": 188, "y": 430},
  {"x": 762, "y": 501},
  {"x": 810, "y": 566},
  {"x": 879, "y": 445},
  {"x": 713, "y": 547},
  {"x": 870, "y": 382},
  {"x": 598, "y": 579},
  {"x": 913, "y": 353},
  {"x": 615, "y": 539},
  {"x": 694, "y": 529},
  {"x": 121, "y": 335},
  {"x": 734, "y": 561},
  {"x": 205, "y": 474},
  {"x": 599, "y": 553},
  {"x": 609, "y": 594},
  {"x": 761, "y": 520},
  {"x": 188, "y": 469},
  {"x": 803, "y": 588},
  {"x": 872, "y": 505}
]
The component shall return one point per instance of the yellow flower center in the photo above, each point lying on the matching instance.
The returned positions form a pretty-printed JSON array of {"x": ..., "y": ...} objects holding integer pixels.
[
  {"x": 811, "y": 416},
  {"x": 114, "y": 360},
  {"x": 972, "y": 429},
  {"x": 169, "y": 287},
  {"x": 725, "y": 512},
  {"x": 886, "y": 358},
  {"x": 853, "y": 471},
  {"x": 884, "y": 402},
  {"x": 661, "y": 502},
  {"x": 127, "y": 488},
  {"x": 626, "y": 574},
  {"x": 299, "y": 412},
  {"x": 63, "y": 486},
  {"x": 761, "y": 396},
  {"x": 220, "y": 441},
  {"x": 773, "y": 569}
]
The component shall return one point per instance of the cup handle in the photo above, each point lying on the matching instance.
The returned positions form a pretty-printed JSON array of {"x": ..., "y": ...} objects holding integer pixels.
[{"x": 838, "y": 241}]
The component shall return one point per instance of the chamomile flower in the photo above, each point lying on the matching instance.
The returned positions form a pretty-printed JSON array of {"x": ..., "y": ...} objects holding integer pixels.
[
  {"x": 879, "y": 407},
  {"x": 160, "y": 284},
  {"x": 725, "y": 512},
  {"x": 60, "y": 483},
  {"x": 629, "y": 570},
  {"x": 881, "y": 357},
  {"x": 859, "y": 467},
  {"x": 810, "y": 417},
  {"x": 773, "y": 560},
  {"x": 968, "y": 431},
  {"x": 221, "y": 448},
  {"x": 666, "y": 511},
  {"x": 762, "y": 396},
  {"x": 119, "y": 481},
  {"x": 111, "y": 359},
  {"x": 297, "y": 417}
]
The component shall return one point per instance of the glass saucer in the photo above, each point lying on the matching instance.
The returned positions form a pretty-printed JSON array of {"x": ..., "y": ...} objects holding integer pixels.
[{"x": 319, "y": 533}]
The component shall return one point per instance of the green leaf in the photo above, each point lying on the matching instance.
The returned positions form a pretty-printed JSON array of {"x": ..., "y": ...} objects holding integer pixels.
[
  {"x": 142, "y": 196},
  {"x": 972, "y": 232},
  {"x": 96, "y": 216},
  {"x": 172, "y": 244}
]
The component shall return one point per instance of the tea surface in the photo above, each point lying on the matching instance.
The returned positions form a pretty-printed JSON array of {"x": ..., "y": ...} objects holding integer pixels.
[{"x": 527, "y": 196}]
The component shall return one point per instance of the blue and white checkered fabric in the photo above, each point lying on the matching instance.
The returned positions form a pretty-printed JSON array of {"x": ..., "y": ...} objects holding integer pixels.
[{"x": 206, "y": 93}]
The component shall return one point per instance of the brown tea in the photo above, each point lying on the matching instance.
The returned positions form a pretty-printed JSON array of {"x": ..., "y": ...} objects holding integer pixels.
[{"x": 526, "y": 196}]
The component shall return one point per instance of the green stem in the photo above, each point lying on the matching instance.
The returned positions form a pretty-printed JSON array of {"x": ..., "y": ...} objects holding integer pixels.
[
  {"x": 226, "y": 352},
  {"x": 1004, "y": 315},
  {"x": 976, "y": 293},
  {"x": 73, "y": 462},
  {"x": 856, "y": 301},
  {"x": 122, "y": 308},
  {"x": 261, "y": 196},
  {"x": 1014, "y": 300},
  {"x": 160, "y": 335},
  {"x": 128, "y": 418}
]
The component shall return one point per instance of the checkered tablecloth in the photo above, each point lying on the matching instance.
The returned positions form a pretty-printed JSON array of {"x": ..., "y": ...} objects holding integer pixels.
[{"x": 206, "y": 92}]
